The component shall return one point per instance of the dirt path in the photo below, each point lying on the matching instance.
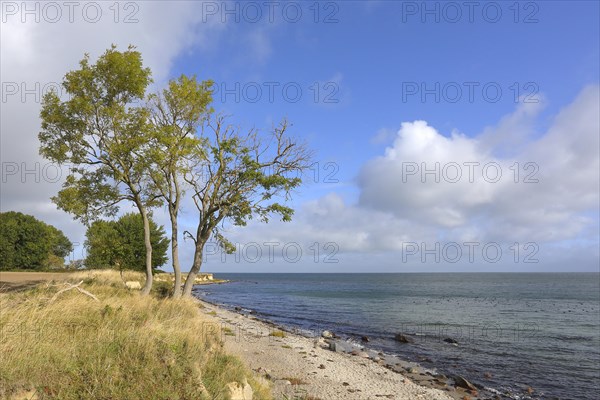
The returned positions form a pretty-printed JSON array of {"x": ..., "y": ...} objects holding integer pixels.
[{"x": 17, "y": 281}]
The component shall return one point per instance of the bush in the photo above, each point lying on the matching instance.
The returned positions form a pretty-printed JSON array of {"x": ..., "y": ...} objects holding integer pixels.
[{"x": 27, "y": 243}]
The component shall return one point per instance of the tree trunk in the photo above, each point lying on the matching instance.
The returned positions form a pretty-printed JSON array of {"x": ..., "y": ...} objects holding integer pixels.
[
  {"x": 191, "y": 278},
  {"x": 175, "y": 255},
  {"x": 148, "y": 286}
]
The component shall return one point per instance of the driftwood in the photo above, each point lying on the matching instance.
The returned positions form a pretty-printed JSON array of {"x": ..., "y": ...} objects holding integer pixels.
[{"x": 71, "y": 286}]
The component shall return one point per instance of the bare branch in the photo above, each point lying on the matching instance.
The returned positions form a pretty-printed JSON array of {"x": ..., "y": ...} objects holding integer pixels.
[{"x": 71, "y": 286}]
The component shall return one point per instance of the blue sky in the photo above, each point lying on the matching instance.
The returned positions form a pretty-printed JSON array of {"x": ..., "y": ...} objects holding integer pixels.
[
  {"x": 366, "y": 79},
  {"x": 370, "y": 53}
]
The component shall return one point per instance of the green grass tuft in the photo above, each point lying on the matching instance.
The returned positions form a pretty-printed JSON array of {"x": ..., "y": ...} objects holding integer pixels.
[{"x": 278, "y": 334}]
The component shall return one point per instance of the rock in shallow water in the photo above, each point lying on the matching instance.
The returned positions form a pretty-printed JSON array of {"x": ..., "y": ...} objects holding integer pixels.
[
  {"x": 459, "y": 381},
  {"x": 402, "y": 339}
]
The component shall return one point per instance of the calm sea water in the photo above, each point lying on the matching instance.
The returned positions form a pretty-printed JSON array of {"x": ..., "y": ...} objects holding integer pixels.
[{"x": 537, "y": 330}]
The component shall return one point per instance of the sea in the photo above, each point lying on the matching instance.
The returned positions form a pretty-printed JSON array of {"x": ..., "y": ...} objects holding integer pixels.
[{"x": 513, "y": 330}]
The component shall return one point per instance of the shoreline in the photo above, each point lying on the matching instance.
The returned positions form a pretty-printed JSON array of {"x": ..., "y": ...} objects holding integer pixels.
[
  {"x": 301, "y": 367},
  {"x": 457, "y": 383}
]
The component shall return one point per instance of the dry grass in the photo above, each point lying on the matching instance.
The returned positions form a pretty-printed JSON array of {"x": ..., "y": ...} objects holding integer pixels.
[{"x": 123, "y": 347}]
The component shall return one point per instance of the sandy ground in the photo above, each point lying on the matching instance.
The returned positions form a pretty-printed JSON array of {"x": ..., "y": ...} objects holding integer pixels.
[
  {"x": 304, "y": 368},
  {"x": 16, "y": 281}
]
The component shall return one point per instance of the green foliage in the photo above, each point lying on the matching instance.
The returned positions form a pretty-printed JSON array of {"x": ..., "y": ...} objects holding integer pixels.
[
  {"x": 61, "y": 246},
  {"x": 101, "y": 132},
  {"x": 243, "y": 176},
  {"x": 27, "y": 243},
  {"x": 176, "y": 115},
  {"x": 161, "y": 290},
  {"x": 103, "y": 247},
  {"x": 120, "y": 244},
  {"x": 53, "y": 262}
]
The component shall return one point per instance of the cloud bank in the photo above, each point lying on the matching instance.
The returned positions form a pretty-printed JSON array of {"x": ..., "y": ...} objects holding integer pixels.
[{"x": 431, "y": 188}]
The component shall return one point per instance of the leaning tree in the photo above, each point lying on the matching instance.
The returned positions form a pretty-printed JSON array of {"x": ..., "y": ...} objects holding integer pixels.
[
  {"x": 176, "y": 114},
  {"x": 237, "y": 176},
  {"x": 102, "y": 132}
]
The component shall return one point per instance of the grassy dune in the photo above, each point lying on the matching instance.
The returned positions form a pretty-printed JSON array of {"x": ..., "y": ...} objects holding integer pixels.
[{"x": 122, "y": 347}]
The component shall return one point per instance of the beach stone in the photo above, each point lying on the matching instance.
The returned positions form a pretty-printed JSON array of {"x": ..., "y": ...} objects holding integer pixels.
[
  {"x": 339, "y": 347},
  {"x": 334, "y": 346},
  {"x": 365, "y": 339},
  {"x": 413, "y": 370},
  {"x": 327, "y": 335},
  {"x": 372, "y": 353},
  {"x": 239, "y": 391},
  {"x": 459, "y": 381},
  {"x": 402, "y": 339}
]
